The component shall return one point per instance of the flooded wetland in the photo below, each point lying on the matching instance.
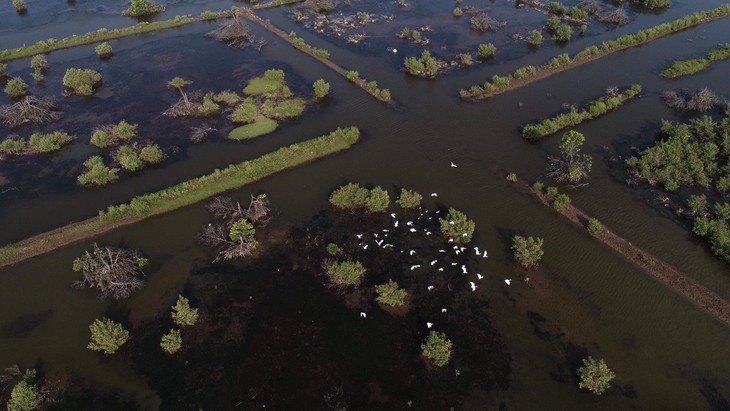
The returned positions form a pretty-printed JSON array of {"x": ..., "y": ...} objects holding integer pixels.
[{"x": 355, "y": 205}]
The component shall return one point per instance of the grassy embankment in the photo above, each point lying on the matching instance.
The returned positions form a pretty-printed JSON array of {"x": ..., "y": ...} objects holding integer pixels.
[
  {"x": 680, "y": 68},
  {"x": 188, "y": 192},
  {"x": 672, "y": 278},
  {"x": 318, "y": 54},
  {"x": 526, "y": 75},
  {"x": 46, "y": 46},
  {"x": 594, "y": 109}
]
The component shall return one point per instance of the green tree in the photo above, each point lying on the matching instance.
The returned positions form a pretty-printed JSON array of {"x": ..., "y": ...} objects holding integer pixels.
[
  {"x": 127, "y": 157},
  {"x": 20, "y": 6},
  {"x": 81, "y": 82},
  {"x": 697, "y": 203},
  {"x": 24, "y": 396},
  {"x": 595, "y": 375},
  {"x": 139, "y": 8},
  {"x": 563, "y": 32},
  {"x": 437, "y": 348},
  {"x": 151, "y": 154},
  {"x": 107, "y": 336},
  {"x": 349, "y": 196},
  {"x": 409, "y": 199},
  {"x": 572, "y": 166},
  {"x": 346, "y": 273},
  {"x": 486, "y": 50},
  {"x": 178, "y": 83},
  {"x": 594, "y": 226},
  {"x": 321, "y": 89},
  {"x": 378, "y": 200},
  {"x": 97, "y": 173},
  {"x": 390, "y": 294},
  {"x": 535, "y": 38},
  {"x": 457, "y": 226},
  {"x": 103, "y": 50},
  {"x": 39, "y": 63},
  {"x": 16, "y": 87},
  {"x": 527, "y": 251},
  {"x": 171, "y": 342},
  {"x": 242, "y": 230},
  {"x": 183, "y": 314}
]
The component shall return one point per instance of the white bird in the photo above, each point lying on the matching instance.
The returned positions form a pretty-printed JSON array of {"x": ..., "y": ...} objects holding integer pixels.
[
  {"x": 209, "y": 224},
  {"x": 376, "y": 235},
  {"x": 410, "y": 223},
  {"x": 363, "y": 315},
  {"x": 392, "y": 215},
  {"x": 442, "y": 251},
  {"x": 413, "y": 267},
  {"x": 358, "y": 235},
  {"x": 429, "y": 325},
  {"x": 458, "y": 252},
  {"x": 438, "y": 211},
  {"x": 443, "y": 310},
  {"x": 388, "y": 245},
  {"x": 476, "y": 249},
  {"x": 473, "y": 286},
  {"x": 395, "y": 51},
  {"x": 385, "y": 230},
  {"x": 462, "y": 249},
  {"x": 456, "y": 247},
  {"x": 413, "y": 230},
  {"x": 508, "y": 281},
  {"x": 396, "y": 224},
  {"x": 441, "y": 269},
  {"x": 479, "y": 276},
  {"x": 463, "y": 268},
  {"x": 434, "y": 195},
  {"x": 463, "y": 235},
  {"x": 412, "y": 252},
  {"x": 379, "y": 242},
  {"x": 454, "y": 263},
  {"x": 429, "y": 288},
  {"x": 365, "y": 247},
  {"x": 451, "y": 240},
  {"x": 428, "y": 233},
  {"x": 433, "y": 262},
  {"x": 451, "y": 222},
  {"x": 453, "y": 165},
  {"x": 485, "y": 254}
]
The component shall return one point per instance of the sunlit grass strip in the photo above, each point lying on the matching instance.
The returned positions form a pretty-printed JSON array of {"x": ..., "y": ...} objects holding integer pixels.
[
  {"x": 275, "y": 3},
  {"x": 315, "y": 53},
  {"x": 180, "y": 195},
  {"x": 682, "y": 68},
  {"x": 526, "y": 75},
  {"x": 46, "y": 46},
  {"x": 593, "y": 109}
]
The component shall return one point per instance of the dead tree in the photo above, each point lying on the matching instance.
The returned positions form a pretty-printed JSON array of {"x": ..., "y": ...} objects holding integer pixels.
[
  {"x": 235, "y": 33},
  {"x": 483, "y": 22},
  {"x": 591, "y": 7},
  {"x": 29, "y": 110},
  {"x": 198, "y": 135},
  {"x": 219, "y": 236},
  {"x": 572, "y": 166},
  {"x": 258, "y": 210},
  {"x": 114, "y": 272},
  {"x": 232, "y": 213},
  {"x": 702, "y": 100},
  {"x": 616, "y": 16}
]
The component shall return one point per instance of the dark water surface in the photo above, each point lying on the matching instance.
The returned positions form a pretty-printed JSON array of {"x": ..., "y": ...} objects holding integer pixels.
[{"x": 271, "y": 336}]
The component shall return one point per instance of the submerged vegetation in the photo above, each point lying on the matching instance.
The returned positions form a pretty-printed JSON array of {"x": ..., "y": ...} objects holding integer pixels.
[
  {"x": 681, "y": 68},
  {"x": 594, "y": 109}
]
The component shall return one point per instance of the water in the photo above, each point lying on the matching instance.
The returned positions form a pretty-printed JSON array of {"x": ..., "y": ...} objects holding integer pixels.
[{"x": 295, "y": 341}]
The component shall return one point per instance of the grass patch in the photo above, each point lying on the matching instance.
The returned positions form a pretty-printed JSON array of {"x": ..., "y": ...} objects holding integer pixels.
[
  {"x": 271, "y": 82},
  {"x": 681, "y": 68},
  {"x": 593, "y": 109},
  {"x": 186, "y": 193},
  {"x": 260, "y": 126}
]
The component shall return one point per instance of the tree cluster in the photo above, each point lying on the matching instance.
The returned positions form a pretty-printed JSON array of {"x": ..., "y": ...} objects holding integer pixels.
[{"x": 235, "y": 235}]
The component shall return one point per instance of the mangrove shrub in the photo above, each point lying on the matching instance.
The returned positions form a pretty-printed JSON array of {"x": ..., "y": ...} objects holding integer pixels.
[
  {"x": 16, "y": 87},
  {"x": 183, "y": 314},
  {"x": 457, "y": 226},
  {"x": 437, "y": 348},
  {"x": 346, "y": 273},
  {"x": 107, "y": 336},
  {"x": 390, "y": 294},
  {"x": 171, "y": 342},
  {"x": 527, "y": 251},
  {"x": 595, "y": 376},
  {"x": 321, "y": 89},
  {"x": 25, "y": 395},
  {"x": 81, "y": 81},
  {"x": 409, "y": 199}
]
